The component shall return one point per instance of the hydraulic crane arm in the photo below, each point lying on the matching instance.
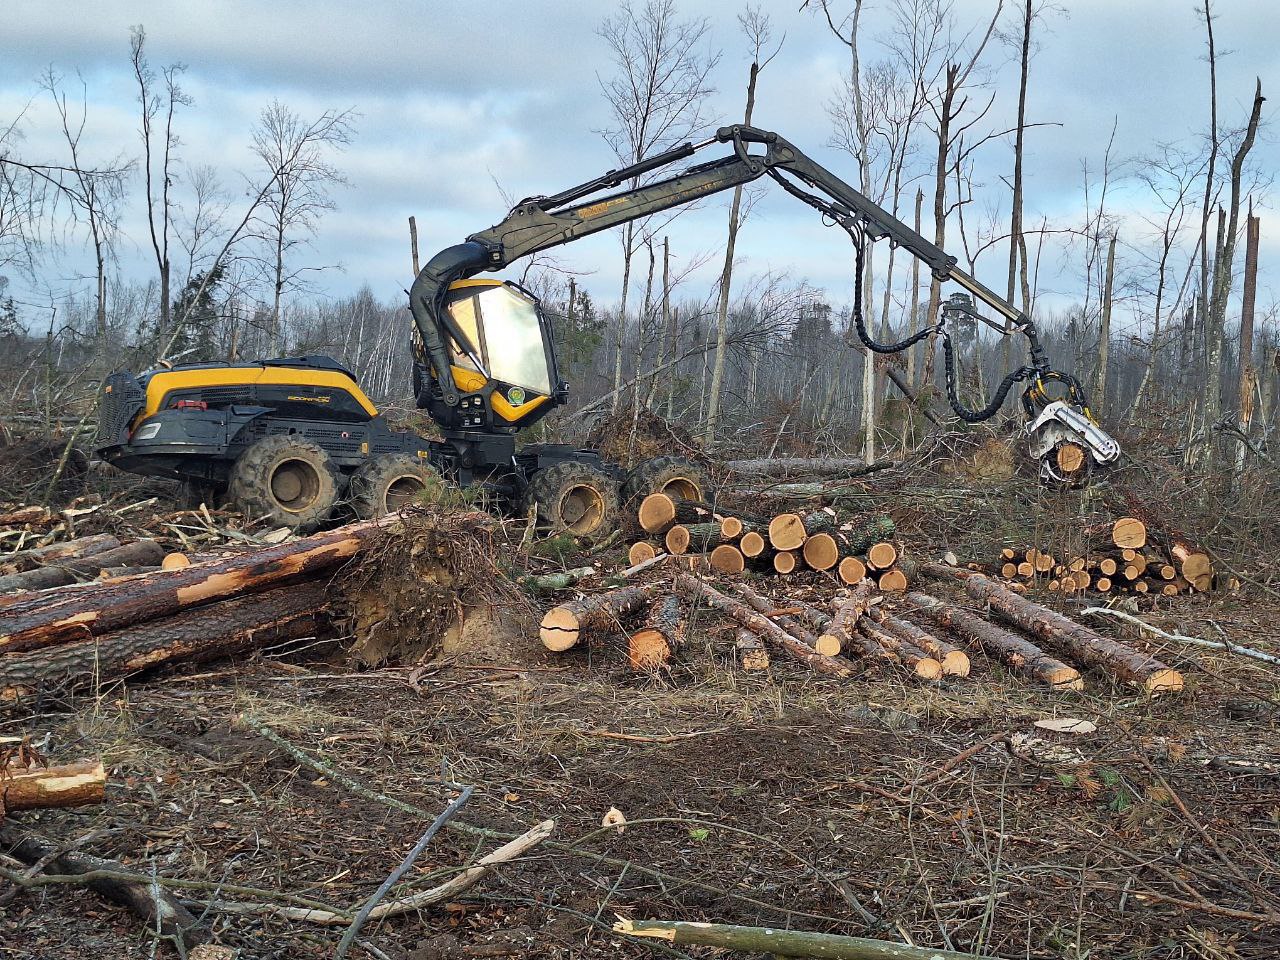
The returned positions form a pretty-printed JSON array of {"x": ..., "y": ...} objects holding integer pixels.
[{"x": 539, "y": 223}]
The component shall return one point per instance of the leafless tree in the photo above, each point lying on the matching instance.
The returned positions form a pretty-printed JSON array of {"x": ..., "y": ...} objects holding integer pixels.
[
  {"x": 294, "y": 152},
  {"x": 759, "y": 33},
  {"x": 657, "y": 96},
  {"x": 158, "y": 153}
]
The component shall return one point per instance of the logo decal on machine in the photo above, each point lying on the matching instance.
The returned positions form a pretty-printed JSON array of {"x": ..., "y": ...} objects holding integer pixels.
[{"x": 515, "y": 396}]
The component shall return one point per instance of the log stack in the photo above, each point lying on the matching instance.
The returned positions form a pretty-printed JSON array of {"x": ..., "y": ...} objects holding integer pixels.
[{"x": 1124, "y": 556}]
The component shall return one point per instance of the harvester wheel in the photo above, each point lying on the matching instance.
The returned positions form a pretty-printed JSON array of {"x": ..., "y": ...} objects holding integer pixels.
[
  {"x": 287, "y": 480},
  {"x": 574, "y": 498},
  {"x": 675, "y": 476},
  {"x": 389, "y": 483}
]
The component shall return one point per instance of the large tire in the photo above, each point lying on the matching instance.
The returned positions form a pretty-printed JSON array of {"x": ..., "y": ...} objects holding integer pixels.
[
  {"x": 675, "y": 476},
  {"x": 287, "y": 480},
  {"x": 389, "y": 483},
  {"x": 574, "y": 498}
]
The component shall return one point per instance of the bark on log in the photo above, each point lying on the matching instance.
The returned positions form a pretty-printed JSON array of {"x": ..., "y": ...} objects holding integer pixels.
[
  {"x": 662, "y": 635},
  {"x": 696, "y": 537},
  {"x": 61, "y": 785},
  {"x": 752, "y": 656},
  {"x": 842, "y": 624},
  {"x": 193, "y": 636},
  {"x": 1017, "y": 652},
  {"x": 100, "y": 608},
  {"x": 954, "y": 661},
  {"x": 66, "y": 550},
  {"x": 762, "y": 626},
  {"x": 835, "y": 467},
  {"x": 872, "y": 531},
  {"x": 778, "y": 942},
  {"x": 827, "y": 646},
  {"x": 922, "y": 665},
  {"x": 1125, "y": 662},
  {"x": 137, "y": 895},
  {"x": 143, "y": 553},
  {"x": 563, "y": 626}
]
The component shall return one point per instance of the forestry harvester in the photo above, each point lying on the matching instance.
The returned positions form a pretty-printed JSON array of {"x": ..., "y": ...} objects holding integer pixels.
[{"x": 287, "y": 438}]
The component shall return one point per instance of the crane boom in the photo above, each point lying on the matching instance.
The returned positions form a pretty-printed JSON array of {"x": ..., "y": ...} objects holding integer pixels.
[{"x": 542, "y": 222}]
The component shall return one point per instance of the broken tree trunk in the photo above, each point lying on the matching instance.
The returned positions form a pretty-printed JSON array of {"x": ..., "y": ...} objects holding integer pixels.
[
  {"x": 1125, "y": 662},
  {"x": 43, "y": 621},
  {"x": 1017, "y": 652},
  {"x": 563, "y": 626},
  {"x": 760, "y": 625},
  {"x": 66, "y": 550},
  {"x": 662, "y": 635},
  {"x": 752, "y": 656},
  {"x": 157, "y": 905},
  {"x": 954, "y": 661},
  {"x": 778, "y": 942},
  {"x": 192, "y": 636},
  {"x": 63, "y": 785},
  {"x": 61, "y": 572}
]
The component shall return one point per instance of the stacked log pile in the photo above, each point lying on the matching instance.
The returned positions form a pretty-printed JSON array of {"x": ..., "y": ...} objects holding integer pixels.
[
  {"x": 924, "y": 635},
  {"x": 1124, "y": 556},
  {"x": 849, "y": 547}
]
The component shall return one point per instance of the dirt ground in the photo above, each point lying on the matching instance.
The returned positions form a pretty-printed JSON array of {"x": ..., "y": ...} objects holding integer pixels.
[
  {"x": 936, "y": 815},
  {"x": 786, "y": 800}
]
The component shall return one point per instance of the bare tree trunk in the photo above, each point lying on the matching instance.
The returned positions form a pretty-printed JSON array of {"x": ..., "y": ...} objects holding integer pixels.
[
  {"x": 1104, "y": 335},
  {"x": 939, "y": 215},
  {"x": 913, "y": 320},
  {"x": 1015, "y": 216},
  {"x": 627, "y": 251},
  {"x": 726, "y": 278},
  {"x": 1248, "y": 376}
]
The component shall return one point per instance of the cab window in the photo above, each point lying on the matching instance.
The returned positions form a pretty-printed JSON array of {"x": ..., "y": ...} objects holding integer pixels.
[{"x": 504, "y": 330}]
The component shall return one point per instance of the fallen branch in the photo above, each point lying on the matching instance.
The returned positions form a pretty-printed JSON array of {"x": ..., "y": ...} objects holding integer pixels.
[{"x": 1181, "y": 638}]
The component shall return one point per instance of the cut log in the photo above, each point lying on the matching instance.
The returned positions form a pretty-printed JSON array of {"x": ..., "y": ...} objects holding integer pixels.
[
  {"x": 882, "y": 555},
  {"x": 1102, "y": 585},
  {"x": 852, "y": 570},
  {"x": 1107, "y": 566},
  {"x": 954, "y": 661},
  {"x": 920, "y": 663},
  {"x": 62, "y": 572},
  {"x": 1193, "y": 564},
  {"x": 676, "y": 540},
  {"x": 641, "y": 551},
  {"x": 564, "y": 626},
  {"x": 658, "y": 512},
  {"x": 62, "y": 785},
  {"x": 731, "y": 528},
  {"x": 752, "y": 656},
  {"x": 1130, "y": 665},
  {"x": 1006, "y": 553},
  {"x": 1017, "y": 652},
  {"x": 760, "y": 625},
  {"x": 66, "y": 550},
  {"x": 695, "y": 538},
  {"x": 1043, "y": 562},
  {"x": 158, "y": 906},
  {"x": 787, "y": 532},
  {"x": 1026, "y": 569},
  {"x": 892, "y": 581},
  {"x": 102, "y": 607},
  {"x": 1009, "y": 570},
  {"x": 1070, "y": 457},
  {"x": 786, "y": 561},
  {"x": 822, "y": 551},
  {"x": 1167, "y": 571},
  {"x": 753, "y": 544},
  {"x": 653, "y": 646},
  {"x": 192, "y": 636},
  {"x": 841, "y": 626},
  {"x": 1129, "y": 532},
  {"x": 727, "y": 558},
  {"x": 790, "y": 621},
  {"x": 691, "y": 561},
  {"x": 175, "y": 561}
]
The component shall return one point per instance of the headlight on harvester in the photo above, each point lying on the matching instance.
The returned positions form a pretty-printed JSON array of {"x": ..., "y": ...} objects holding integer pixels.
[{"x": 147, "y": 431}]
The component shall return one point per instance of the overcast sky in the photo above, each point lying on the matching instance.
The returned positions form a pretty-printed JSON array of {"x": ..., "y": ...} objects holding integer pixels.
[{"x": 458, "y": 100}]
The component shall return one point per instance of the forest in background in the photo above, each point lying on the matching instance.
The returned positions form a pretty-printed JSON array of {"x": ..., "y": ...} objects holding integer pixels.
[{"x": 233, "y": 270}]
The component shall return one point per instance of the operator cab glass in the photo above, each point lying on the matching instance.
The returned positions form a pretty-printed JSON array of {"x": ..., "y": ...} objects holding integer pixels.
[{"x": 505, "y": 333}]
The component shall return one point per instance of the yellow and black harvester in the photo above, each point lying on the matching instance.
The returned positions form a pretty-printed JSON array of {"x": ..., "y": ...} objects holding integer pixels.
[{"x": 289, "y": 437}]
